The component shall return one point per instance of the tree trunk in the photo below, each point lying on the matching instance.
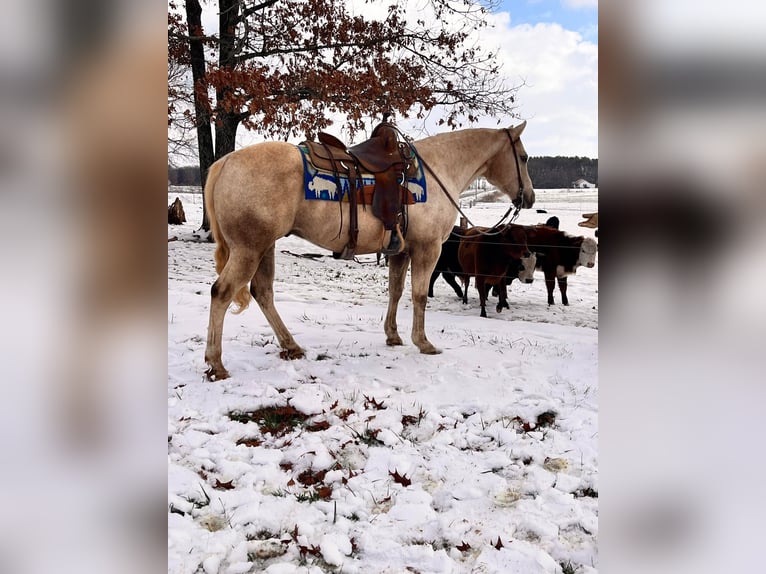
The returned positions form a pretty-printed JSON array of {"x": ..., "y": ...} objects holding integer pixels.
[
  {"x": 226, "y": 134},
  {"x": 226, "y": 121},
  {"x": 201, "y": 108},
  {"x": 176, "y": 215}
]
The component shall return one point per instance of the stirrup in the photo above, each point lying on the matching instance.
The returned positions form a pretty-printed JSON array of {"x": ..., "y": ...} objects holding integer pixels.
[
  {"x": 396, "y": 244},
  {"x": 348, "y": 253}
]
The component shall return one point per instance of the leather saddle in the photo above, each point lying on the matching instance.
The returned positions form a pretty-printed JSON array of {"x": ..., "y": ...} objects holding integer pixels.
[{"x": 383, "y": 156}]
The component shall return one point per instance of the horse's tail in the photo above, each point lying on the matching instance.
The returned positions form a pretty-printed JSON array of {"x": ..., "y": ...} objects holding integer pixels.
[{"x": 242, "y": 296}]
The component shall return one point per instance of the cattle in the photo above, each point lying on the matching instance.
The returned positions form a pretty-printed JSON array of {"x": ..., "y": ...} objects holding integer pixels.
[
  {"x": 558, "y": 256},
  {"x": 448, "y": 265},
  {"x": 553, "y": 221},
  {"x": 488, "y": 257}
]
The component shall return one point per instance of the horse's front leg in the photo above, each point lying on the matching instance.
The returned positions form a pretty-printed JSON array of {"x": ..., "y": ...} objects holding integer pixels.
[
  {"x": 423, "y": 263},
  {"x": 397, "y": 271},
  {"x": 262, "y": 290}
]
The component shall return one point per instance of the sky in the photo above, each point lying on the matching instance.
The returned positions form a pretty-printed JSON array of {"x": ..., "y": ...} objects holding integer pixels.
[
  {"x": 551, "y": 47},
  {"x": 577, "y": 15}
]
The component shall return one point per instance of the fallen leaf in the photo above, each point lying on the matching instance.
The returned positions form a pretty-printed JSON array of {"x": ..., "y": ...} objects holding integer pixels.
[
  {"x": 318, "y": 426},
  {"x": 324, "y": 492},
  {"x": 372, "y": 402},
  {"x": 253, "y": 442},
  {"x": 399, "y": 478},
  {"x": 224, "y": 485}
]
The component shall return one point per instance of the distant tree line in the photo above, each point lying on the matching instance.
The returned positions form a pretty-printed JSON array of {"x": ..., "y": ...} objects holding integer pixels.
[
  {"x": 548, "y": 172},
  {"x": 185, "y": 175}
]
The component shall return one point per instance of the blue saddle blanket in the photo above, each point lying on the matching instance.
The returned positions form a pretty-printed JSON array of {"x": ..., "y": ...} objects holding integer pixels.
[{"x": 320, "y": 184}]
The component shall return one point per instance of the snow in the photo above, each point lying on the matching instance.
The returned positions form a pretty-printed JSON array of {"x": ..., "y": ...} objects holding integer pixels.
[{"x": 404, "y": 462}]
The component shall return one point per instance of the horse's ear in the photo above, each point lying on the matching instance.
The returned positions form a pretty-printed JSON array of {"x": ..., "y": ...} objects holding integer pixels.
[{"x": 516, "y": 132}]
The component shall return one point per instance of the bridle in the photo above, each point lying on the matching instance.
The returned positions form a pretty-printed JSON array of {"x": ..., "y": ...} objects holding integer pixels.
[{"x": 520, "y": 195}]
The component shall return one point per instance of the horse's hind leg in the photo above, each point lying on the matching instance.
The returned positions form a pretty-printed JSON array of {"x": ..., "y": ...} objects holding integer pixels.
[
  {"x": 397, "y": 271},
  {"x": 262, "y": 289},
  {"x": 234, "y": 276}
]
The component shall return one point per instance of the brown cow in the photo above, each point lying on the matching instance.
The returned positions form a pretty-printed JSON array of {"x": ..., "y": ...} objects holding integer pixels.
[
  {"x": 559, "y": 255},
  {"x": 488, "y": 258}
]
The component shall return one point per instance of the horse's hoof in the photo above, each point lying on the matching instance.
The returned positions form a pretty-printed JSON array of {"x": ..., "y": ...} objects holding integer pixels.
[
  {"x": 216, "y": 374},
  {"x": 291, "y": 354},
  {"x": 394, "y": 341},
  {"x": 430, "y": 350}
]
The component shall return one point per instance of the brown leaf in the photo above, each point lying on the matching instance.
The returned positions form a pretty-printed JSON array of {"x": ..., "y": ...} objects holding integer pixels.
[
  {"x": 318, "y": 426},
  {"x": 400, "y": 479},
  {"x": 368, "y": 402},
  {"x": 324, "y": 492},
  {"x": 253, "y": 442},
  {"x": 313, "y": 550},
  {"x": 546, "y": 419},
  {"x": 498, "y": 544},
  {"x": 464, "y": 547},
  {"x": 409, "y": 420},
  {"x": 345, "y": 413},
  {"x": 224, "y": 485},
  {"x": 309, "y": 477}
]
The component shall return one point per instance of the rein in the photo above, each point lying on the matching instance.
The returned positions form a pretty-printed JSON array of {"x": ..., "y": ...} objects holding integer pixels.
[{"x": 492, "y": 230}]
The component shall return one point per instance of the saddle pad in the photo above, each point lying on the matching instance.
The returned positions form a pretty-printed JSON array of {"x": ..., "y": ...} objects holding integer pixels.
[{"x": 320, "y": 184}]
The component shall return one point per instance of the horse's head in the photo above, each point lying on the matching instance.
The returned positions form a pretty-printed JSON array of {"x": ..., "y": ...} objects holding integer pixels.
[{"x": 507, "y": 169}]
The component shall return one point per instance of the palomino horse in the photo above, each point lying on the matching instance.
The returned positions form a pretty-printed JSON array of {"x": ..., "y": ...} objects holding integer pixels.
[{"x": 255, "y": 195}]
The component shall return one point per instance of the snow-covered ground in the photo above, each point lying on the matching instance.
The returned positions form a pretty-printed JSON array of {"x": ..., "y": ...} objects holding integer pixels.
[{"x": 370, "y": 459}]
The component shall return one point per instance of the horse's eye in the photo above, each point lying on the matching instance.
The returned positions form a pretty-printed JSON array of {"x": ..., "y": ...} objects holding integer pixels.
[{"x": 524, "y": 158}]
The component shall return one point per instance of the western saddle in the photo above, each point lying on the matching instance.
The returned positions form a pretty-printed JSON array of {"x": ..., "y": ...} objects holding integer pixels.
[{"x": 382, "y": 156}]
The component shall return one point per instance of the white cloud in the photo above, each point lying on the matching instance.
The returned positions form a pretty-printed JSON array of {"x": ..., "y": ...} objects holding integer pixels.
[
  {"x": 560, "y": 96},
  {"x": 580, "y": 3}
]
